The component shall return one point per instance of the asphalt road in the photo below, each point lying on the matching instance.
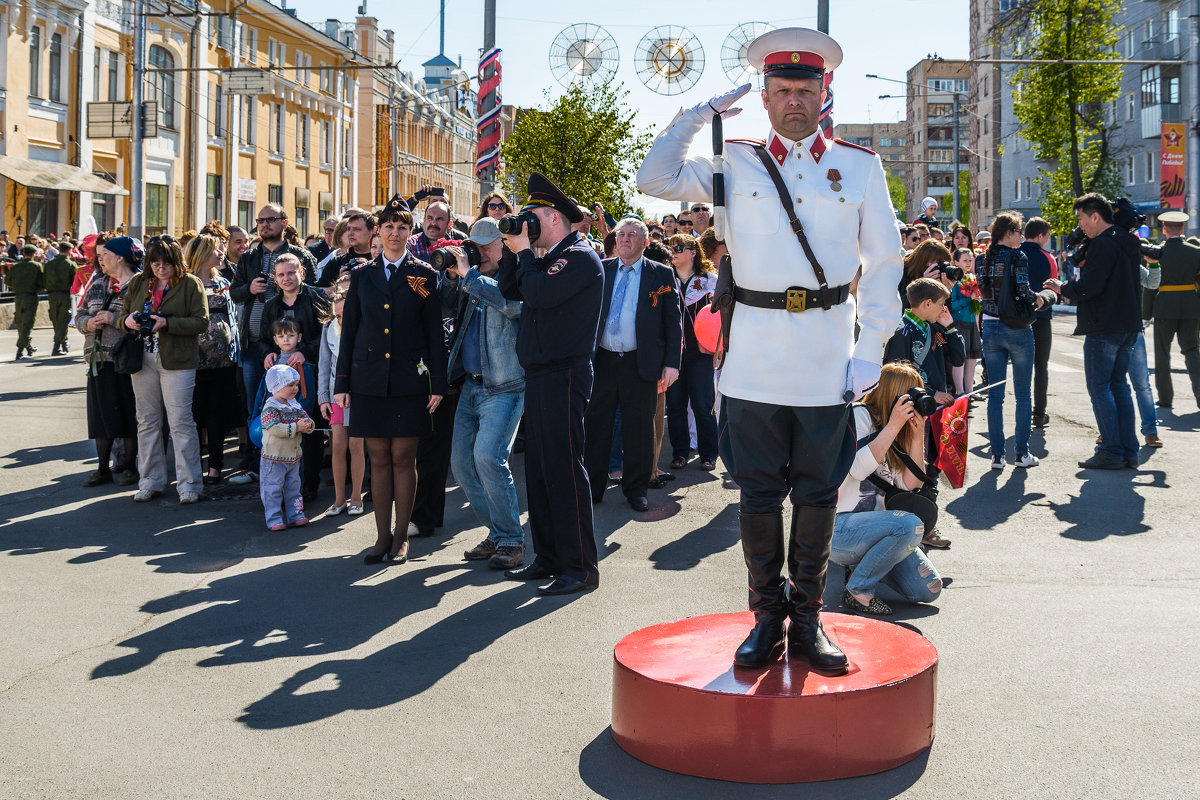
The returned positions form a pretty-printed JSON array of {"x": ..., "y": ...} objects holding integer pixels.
[{"x": 172, "y": 651}]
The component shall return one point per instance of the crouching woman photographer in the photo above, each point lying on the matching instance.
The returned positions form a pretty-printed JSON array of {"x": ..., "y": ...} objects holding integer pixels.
[{"x": 877, "y": 546}]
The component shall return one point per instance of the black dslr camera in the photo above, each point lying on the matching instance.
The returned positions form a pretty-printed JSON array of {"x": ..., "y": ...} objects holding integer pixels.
[
  {"x": 950, "y": 271},
  {"x": 442, "y": 259},
  {"x": 1126, "y": 214},
  {"x": 145, "y": 322},
  {"x": 922, "y": 399},
  {"x": 513, "y": 224}
]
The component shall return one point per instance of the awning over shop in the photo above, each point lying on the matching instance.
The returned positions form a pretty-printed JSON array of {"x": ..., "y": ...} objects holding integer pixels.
[{"x": 54, "y": 175}]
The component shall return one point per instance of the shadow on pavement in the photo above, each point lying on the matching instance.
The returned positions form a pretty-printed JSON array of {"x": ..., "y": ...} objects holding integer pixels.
[
  {"x": 1108, "y": 504},
  {"x": 995, "y": 496},
  {"x": 611, "y": 772},
  {"x": 715, "y": 536}
]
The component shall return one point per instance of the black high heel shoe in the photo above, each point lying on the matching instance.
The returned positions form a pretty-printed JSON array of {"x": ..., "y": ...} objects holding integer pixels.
[
  {"x": 379, "y": 558},
  {"x": 399, "y": 557}
]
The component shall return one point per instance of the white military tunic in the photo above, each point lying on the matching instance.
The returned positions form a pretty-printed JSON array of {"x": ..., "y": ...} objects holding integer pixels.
[{"x": 776, "y": 356}]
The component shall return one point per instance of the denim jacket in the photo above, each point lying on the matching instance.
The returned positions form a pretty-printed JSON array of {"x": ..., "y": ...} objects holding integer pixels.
[{"x": 498, "y": 352}]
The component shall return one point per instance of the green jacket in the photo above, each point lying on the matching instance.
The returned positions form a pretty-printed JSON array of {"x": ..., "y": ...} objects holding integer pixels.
[
  {"x": 1179, "y": 261},
  {"x": 25, "y": 277},
  {"x": 186, "y": 311},
  {"x": 60, "y": 274}
]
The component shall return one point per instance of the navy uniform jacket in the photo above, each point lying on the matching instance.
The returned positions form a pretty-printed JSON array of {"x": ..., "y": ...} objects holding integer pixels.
[
  {"x": 1179, "y": 262},
  {"x": 562, "y": 293},
  {"x": 388, "y": 328},
  {"x": 658, "y": 323}
]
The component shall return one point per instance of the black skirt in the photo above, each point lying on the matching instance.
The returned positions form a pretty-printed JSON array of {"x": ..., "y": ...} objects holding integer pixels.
[
  {"x": 111, "y": 408},
  {"x": 971, "y": 338},
  {"x": 389, "y": 417},
  {"x": 215, "y": 400}
]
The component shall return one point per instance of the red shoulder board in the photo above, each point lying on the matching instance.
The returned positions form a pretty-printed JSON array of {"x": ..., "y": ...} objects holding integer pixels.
[
  {"x": 762, "y": 142},
  {"x": 855, "y": 146}
]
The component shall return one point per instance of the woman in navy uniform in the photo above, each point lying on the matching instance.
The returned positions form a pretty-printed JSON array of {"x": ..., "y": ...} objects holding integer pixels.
[{"x": 392, "y": 371}]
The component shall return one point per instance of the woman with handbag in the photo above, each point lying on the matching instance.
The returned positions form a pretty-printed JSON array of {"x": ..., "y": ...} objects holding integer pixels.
[
  {"x": 111, "y": 408},
  {"x": 215, "y": 403},
  {"x": 1007, "y": 314},
  {"x": 166, "y": 308},
  {"x": 697, "y": 280},
  {"x": 877, "y": 543}
]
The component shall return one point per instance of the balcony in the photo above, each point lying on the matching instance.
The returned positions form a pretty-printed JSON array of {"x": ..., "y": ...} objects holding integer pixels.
[{"x": 1154, "y": 116}]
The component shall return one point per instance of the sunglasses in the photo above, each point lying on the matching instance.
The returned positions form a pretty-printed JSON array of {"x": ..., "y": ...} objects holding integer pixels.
[
  {"x": 687, "y": 222},
  {"x": 700, "y": 209},
  {"x": 679, "y": 248},
  {"x": 500, "y": 206},
  {"x": 165, "y": 238}
]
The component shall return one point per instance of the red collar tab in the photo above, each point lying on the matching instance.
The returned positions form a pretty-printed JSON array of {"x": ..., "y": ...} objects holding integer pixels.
[
  {"x": 793, "y": 58},
  {"x": 777, "y": 149},
  {"x": 818, "y": 148}
]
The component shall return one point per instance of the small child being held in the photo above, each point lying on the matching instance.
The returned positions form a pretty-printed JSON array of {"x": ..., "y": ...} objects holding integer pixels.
[{"x": 283, "y": 420}]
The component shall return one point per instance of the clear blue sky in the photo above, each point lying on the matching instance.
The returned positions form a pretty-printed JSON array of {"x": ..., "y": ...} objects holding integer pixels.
[{"x": 884, "y": 38}]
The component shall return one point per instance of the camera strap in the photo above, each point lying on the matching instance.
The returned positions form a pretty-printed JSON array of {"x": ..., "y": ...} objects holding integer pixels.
[{"x": 798, "y": 229}]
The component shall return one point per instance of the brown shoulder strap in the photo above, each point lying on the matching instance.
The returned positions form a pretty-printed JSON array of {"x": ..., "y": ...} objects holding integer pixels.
[{"x": 797, "y": 228}]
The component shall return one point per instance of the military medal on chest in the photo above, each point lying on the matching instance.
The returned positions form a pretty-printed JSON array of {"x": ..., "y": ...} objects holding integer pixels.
[{"x": 835, "y": 179}]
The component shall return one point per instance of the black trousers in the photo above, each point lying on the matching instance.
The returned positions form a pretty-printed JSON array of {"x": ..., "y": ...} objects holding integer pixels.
[
  {"x": 312, "y": 453},
  {"x": 618, "y": 385},
  {"x": 1041, "y": 358},
  {"x": 556, "y": 484},
  {"x": 433, "y": 465},
  {"x": 782, "y": 451},
  {"x": 1187, "y": 332}
]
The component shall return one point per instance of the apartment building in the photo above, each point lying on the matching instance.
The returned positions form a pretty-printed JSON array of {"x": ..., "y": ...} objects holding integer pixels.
[{"x": 936, "y": 88}]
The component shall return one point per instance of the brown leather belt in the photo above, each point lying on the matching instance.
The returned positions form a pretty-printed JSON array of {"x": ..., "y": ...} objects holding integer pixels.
[
  {"x": 1178, "y": 287},
  {"x": 794, "y": 299}
]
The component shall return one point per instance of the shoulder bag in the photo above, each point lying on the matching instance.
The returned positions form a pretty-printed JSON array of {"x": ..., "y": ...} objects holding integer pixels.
[{"x": 1014, "y": 311}]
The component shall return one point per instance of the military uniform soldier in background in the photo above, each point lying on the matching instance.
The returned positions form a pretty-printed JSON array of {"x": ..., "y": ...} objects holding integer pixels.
[
  {"x": 792, "y": 356},
  {"x": 1176, "y": 306},
  {"x": 25, "y": 280},
  {"x": 59, "y": 274},
  {"x": 556, "y": 342}
]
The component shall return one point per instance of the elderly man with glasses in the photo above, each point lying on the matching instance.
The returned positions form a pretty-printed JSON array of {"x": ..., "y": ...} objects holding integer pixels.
[
  {"x": 324, "y": 247},
  {"x": 252, "y": 289},
  {"x": 701, "y": 219}
]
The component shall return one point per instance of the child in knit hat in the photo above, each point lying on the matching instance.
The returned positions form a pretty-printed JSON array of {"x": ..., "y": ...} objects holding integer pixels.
[{"x": 283, "y": 420}]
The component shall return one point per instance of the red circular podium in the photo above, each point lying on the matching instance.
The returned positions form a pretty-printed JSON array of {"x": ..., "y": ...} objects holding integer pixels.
[{"x": 681, "y": 705}]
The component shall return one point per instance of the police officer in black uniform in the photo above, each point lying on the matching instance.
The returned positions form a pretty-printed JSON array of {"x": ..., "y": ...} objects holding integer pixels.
[{"x": 562, "y": 293}]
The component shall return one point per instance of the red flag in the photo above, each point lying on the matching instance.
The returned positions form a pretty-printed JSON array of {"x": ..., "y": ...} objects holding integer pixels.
[{"x": 950, "y": 426}]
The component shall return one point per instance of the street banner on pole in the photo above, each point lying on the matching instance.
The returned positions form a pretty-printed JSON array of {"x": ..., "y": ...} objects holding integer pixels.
[{"x": 1171, "y": 174}]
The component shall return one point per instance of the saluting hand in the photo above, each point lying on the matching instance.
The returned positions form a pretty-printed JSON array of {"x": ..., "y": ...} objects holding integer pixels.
[{"x": 721, "y": 104}]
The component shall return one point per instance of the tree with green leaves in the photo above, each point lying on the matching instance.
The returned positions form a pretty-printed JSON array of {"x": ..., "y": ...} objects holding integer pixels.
[
  {"x": 585, "y": 141},
  {"x": 898, "y": 191},
  {"x": 961, "y": 215},
  {"x": 1061, "y": 106}
]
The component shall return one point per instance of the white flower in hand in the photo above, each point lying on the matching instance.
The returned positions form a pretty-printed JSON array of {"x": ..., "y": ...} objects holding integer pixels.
[{"x": 421, "y": 368}]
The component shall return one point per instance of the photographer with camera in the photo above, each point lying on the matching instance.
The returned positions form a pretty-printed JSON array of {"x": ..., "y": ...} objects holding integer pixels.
[
  {"x": 556, "y": 343},
  {"x": 877, "y": 545},
  {"x": 930, "y": 259},
  {"x": 1008, "y": 308},
  {"x": 1108, "y": 295}
]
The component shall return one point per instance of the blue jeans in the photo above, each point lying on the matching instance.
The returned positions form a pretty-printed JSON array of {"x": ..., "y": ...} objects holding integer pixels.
[
  {"x": 695, "y": 384},
  {"x": 484, "y": 429},
  {"x": 1106, "y": 358},
  {"x": 883, "y": 546},
  {"x": 1001, "y": 345},
  {"x": 1139, "y": 376}
]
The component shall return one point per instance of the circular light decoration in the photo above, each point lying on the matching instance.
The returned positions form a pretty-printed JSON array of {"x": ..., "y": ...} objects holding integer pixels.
[
  {"x": 669, "y": 60},
  {"x": 734, "y": 51},
  {"x": 583, "y": 52}
]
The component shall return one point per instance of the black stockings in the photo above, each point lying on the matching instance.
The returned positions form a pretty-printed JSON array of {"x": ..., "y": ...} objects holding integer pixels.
[{"x": 393, "y": 482}]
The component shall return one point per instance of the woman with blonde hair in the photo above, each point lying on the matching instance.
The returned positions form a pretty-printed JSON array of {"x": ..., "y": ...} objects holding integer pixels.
[
  {"x": 697, "y": 281},
  {"x": 215, "y": 401},
  {"x": 876, "y": 546}
]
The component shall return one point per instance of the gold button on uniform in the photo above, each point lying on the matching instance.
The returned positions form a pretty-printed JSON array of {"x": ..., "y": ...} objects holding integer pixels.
[
  {"x": 385, "y": 330},
  {"x": 387, "y": 355},
  {"x": 386, "y": 306},
  {"x": 799, "y": 200},
  {"x": 840, "y": 200}
]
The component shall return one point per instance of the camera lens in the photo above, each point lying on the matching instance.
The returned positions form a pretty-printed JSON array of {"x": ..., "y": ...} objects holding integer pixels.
[
  {"x": 440, "y": 259},
  {"x": 510, "y": 225}
]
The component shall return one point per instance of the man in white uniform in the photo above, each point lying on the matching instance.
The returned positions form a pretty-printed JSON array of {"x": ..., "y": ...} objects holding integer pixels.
[{"x": 793, "y": 361}]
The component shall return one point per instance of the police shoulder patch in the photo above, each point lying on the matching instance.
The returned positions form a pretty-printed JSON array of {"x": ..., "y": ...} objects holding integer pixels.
[
  {"x": 855, "y": 146},
  {"x": 556, "y": 267}
]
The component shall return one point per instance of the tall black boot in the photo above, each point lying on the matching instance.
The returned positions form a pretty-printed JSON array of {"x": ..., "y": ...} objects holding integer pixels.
[
  {"x": 808, "y": 555},
  {"x": 763, "y": 547}
]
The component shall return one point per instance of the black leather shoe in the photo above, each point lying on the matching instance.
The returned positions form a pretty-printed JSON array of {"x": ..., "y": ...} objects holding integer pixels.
[
  {"x": 530, "y": 572},
  {"x": 1102, "y": 462},
  {"x": 808, "y": 640},
  {"x": 763, "y": 645},
  {"x": 566, "y": 585},
  {"x": 639, "y": 504}
]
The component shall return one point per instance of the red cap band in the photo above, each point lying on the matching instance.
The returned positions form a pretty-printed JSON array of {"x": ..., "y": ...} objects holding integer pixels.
[{"x": 793, "y": 58}]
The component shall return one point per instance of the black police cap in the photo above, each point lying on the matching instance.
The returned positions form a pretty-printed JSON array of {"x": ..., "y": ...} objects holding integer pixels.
[{"x": 544, "y": 194}]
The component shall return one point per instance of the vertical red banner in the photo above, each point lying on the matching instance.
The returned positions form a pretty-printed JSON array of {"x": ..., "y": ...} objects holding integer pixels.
[
  {"x": 1172, "y": 174},
  {"x": 950, "y": 428}
]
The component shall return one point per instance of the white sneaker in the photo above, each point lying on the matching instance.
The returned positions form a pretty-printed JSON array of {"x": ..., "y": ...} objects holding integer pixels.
[
  {"x": 145, "y": 495},
  {"x": 413, "y": 530},
  {"x": 997, "y": 462},
  {"x": 1026, "y": 460},
  {"x": 187, "y": 498}
]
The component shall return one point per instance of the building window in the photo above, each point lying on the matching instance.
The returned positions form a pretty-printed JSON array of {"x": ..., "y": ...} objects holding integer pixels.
[
  {"x": 302, "y": 137},
  {"x": 1151, "y": 86},
  {"x": 326, "y": 143},
  {"x": 1129, "y": 107},
  {"x": 218, "y": 116},
  {"x": 1028, "y": 188},
  {"x": 162, "y": 84},
  {"x": 35, "y": 62},
  {"x": 985, "y": 199},
  {"x": 246, "y": 214},
  {"x": 156, "y": 208},
  {"x": 885, "y": 142},
  {"x": 275, "y": 193},
  {"x": 1150, "y": 166},
  {"x": 941, "y": 109},
  {"x": 940, "y": 156},
  {"x": 56, "y": 68},
  {"x": 104, "y": 209},
  {"x": 346, "y": 163},
  {"x": 1017, "y": 189},
  {"x": 42, "y": 211},
  {"x": 1171, "y": 95},
  {"x": 113, "y": 72},
  {"x": 1172, "y": 23},
  {"x": 248, "y": 122},
  {"x": 277, "y": 129},
  {"x": 1149, "y": 31},
  {"x": 1130, "y": 171},
  {"x": 213, "y": 195},
  {"x": 301, "y": 222},
  {"x": 96, "y": 77}
]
